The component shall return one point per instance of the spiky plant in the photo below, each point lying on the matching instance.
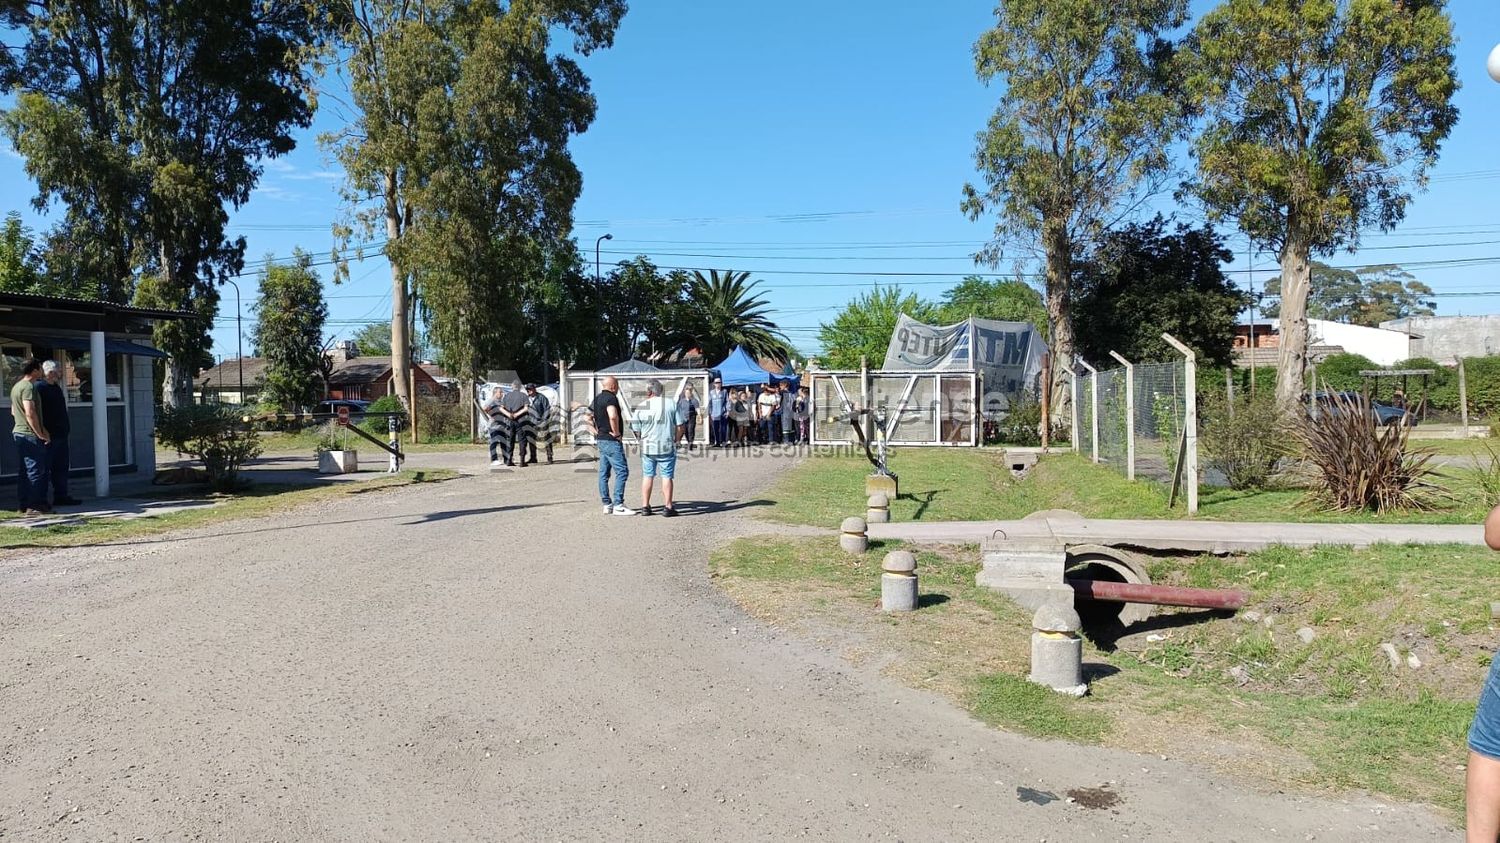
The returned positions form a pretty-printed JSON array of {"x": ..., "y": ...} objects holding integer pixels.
[
  {"x": 723, "y": 311},
  {"x": 1361, "y": 465}
]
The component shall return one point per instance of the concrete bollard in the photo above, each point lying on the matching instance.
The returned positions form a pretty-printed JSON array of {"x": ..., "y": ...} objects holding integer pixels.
[
  {"x": 852, "y": 535},
  {"x": 878, "y": 510},
  {"x": 1057, "y": 651},
  {"x": 898, "y": 582}
]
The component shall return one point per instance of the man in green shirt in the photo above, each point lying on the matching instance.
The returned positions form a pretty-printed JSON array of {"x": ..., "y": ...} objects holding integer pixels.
[
  {"x": 31, "y": 441},
  {"x": 657, "y": 423}
]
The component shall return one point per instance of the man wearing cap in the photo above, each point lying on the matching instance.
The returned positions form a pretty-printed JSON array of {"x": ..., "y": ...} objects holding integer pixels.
[
  {"x": 657, "y": 423},
  {"x": 718, "y": 415},
  {"x": 515, "y": 411}
]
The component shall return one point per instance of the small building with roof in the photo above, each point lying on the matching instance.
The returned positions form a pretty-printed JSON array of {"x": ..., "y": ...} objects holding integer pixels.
[{"x": 107, "y": 363}]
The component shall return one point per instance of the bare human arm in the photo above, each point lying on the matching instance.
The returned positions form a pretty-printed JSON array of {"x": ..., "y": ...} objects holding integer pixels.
[
  {"x": 614, "y": 421},
  {"x": 34, "y": 418},
  {"x": 1492, "y": 529}
]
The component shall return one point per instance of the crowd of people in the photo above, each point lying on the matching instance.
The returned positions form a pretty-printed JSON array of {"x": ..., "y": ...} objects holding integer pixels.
[
  {"x": 40, "y": 427},
  {"x": 738, "y": 417}
]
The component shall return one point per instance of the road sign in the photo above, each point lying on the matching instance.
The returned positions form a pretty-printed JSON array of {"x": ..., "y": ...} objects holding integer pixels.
[{"x": 344, "y": 415}]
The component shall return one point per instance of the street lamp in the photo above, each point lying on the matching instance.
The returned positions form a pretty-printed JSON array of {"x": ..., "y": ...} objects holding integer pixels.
[
  {"x": 239, "y": 341},
  {"x": 596, "y": 254}
]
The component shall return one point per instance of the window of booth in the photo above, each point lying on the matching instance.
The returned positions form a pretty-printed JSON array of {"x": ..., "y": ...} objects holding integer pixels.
[
  {"x": 12, "y": 355},
  {"x": 78, "y": 376}
]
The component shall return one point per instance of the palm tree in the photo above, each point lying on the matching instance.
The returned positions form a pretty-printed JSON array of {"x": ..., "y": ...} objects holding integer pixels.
[{"x": 723, "y": 311}]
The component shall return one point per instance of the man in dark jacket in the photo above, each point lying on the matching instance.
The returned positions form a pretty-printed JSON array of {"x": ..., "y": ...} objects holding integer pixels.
[
  {"x": 540, "y": 423},
  {"x": 54, "y": 407}
]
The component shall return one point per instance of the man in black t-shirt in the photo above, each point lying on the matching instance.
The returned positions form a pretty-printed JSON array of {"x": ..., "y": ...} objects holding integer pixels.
[
  {"x": 55, "y": 418},
  {"x": 607, "y": 423}
]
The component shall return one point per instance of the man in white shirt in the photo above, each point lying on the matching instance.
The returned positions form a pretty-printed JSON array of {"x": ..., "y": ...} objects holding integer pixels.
[
  {"x": 657, "y": 423},
  {"x": 767, "y": 405}
]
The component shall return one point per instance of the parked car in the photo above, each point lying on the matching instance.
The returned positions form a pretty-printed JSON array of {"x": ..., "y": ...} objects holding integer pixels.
[
  {"x": 356, "y": 408},
  {"x": 1385, "y": 414}
]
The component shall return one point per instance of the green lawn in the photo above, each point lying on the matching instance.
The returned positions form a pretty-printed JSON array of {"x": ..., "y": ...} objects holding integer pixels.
[
  {"x": 939, "y": 484},
  {"x": 1330, "y": 714},
  {"x": 257, "y": 499}
]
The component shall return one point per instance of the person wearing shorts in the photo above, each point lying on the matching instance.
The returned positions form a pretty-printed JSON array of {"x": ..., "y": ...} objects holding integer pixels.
[
  {"x": 658, "y": 425},
  {"x": 1482, "y": 781}
]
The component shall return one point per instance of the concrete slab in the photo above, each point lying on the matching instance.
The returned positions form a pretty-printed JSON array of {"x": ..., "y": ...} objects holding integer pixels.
[
  {"x": 123, "y": 509},
  {"x": 1219, "y": 537}
]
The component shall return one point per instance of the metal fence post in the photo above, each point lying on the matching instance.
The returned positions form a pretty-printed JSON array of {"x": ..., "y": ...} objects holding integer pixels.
[
  {"x": 1129, "y": 414},
  {"x": 1093, "y": 407},
  {"x": 1190, "y": 421},
  {"x": 1463, "y": 397}
]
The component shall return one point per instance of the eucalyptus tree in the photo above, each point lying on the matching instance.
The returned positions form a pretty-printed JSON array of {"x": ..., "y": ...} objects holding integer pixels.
[
  {"x": 1083, "y": 127},
  {"x": 457, "y": 159},
  {"x": 1320, "y": 117},
  {"x": 145, "y": 120}
]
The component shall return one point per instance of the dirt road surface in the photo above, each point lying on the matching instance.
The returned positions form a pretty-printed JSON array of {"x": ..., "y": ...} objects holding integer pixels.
[{"x": 493, "y": 658}]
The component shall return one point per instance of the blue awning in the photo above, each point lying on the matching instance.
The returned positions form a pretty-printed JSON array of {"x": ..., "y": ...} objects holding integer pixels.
[{"x": 111, "y": 345}]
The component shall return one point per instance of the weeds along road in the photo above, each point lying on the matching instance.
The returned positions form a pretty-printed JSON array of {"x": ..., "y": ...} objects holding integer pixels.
[{"x": 492, "y": 658}]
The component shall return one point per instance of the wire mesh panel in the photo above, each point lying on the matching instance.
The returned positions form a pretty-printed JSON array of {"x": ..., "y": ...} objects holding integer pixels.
[
  {"x": 1084, "y": 436},
  {"x": 828, "y": 409},
  {"x": 939, "y": 408},
  {"x": 1113, "y": 445},
  {"x": 1160, "y": 406}
]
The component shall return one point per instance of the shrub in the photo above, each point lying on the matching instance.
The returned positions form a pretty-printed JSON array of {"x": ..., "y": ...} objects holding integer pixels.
[
  {"x": 1482, "y": 380},
  {"x": 1340, "y": 372},
  {"x": 1022, "y": 424},
  {"x": 1362, "y": 466},
  {"x": 1243, "y": 439},
  {"x": 212, "y": 434},
  {"x": 1486, "y": 476},
  {"x": 384, "y": 404},
  {"x": 437, "y": 419}
]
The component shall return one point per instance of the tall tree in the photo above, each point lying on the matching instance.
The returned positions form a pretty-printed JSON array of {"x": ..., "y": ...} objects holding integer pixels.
[
  {"x": 1008, "y": 300},
  {"x": 290, "y": 315},
  {"x": 1320, "y": 116},
  {"x": 865, "y": 325},
  {"x": 374, "y": 340},
  {"x": 1144, "y": 279},
  {"x": 1083, "y": 124},
  {"x": 723, "y": 311},
  {"x": 20, "y": 267},
  {"x": 459, "y": 156},
  {"x": 1366, "y": 296},
  {"x": 144, "y": 120},
  {"x": 639, "y": 306}
]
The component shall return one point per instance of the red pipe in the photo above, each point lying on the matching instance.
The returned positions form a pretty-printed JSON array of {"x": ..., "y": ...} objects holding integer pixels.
[{"x": 1160, "y": 595}]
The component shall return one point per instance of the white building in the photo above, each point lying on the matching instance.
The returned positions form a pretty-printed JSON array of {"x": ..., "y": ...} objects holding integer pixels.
[
  {"x": 1384, "y": 347},
  {"x": 1444, "y": 337}
]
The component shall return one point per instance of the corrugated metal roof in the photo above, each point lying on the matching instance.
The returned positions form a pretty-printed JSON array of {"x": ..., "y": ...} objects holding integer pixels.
[{"x": 41, "y": 302}]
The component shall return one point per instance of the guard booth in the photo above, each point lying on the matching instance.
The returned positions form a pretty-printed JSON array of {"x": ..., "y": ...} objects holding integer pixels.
[{"x": 935, "y": 409}]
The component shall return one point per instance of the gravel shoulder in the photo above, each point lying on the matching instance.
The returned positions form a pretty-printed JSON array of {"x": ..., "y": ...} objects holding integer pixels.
[{"x": 493, "y": 658}]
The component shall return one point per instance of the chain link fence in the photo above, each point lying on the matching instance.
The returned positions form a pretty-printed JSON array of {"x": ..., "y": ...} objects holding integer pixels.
[{"x": 1142, "y": 418}]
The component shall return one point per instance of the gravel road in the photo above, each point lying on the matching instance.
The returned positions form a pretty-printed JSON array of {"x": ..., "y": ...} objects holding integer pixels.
[{"x": 493, "y": 658}]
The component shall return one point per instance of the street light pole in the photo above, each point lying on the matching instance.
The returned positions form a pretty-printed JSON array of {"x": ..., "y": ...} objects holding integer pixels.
[
  {"x": 602, "y": 238},
  {"x": 239, "y": 337}
]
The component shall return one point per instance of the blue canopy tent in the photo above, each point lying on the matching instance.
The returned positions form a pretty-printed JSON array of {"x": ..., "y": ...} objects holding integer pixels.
[{"x": 740, "y": 369}]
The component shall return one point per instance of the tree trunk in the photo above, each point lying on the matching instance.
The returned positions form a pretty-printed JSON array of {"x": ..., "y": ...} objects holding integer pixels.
[
  {"x": 1059, "y": 252},
  {"x": 1296, "y": 279},
  {"x": 400, "y": 300},
  {"x": 177, "y": 384}
]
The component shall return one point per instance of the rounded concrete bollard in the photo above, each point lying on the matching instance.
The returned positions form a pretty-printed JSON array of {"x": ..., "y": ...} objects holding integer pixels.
[
  {"x": 1057, "y": 651},
  {"x": 878, "y": 510},
  {"x": 898, "y": 582},
  {"x": 852, "y": 535}
]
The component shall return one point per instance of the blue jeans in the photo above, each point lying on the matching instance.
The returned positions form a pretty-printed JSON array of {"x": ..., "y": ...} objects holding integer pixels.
[
  {"x": 31, "y": 480},
  {"x": 718, "y": 431},
  {"x": 1484, "y": 732},
  {"x": 612, "y": 461}
]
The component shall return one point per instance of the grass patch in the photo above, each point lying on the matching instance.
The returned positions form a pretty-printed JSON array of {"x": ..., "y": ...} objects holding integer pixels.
[
  {"x": 939, "y": 484},
  {"x": 1330, "y": 714},
  {"x": 254, "y": 501},
  {"x": 1015, "y": 703}
]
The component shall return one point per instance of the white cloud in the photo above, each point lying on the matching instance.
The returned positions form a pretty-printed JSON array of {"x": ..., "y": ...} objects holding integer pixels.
[{"x": 319, "y": 175}]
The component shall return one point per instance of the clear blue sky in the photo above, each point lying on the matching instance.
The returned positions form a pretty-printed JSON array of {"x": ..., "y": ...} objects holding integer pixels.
[{"x": 798, "y": 140}]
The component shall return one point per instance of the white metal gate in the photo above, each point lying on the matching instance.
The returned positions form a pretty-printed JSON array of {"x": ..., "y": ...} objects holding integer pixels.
[{"x": 922, "y": 407}]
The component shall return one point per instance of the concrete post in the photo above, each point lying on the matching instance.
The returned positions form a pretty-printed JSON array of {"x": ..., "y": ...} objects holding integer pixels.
[
  {"x": 852, "y": 535},
  {"x": 1093, "y": 407},
  {"x": 898, "y": 582},
  {"x": 564, "y": 405},
  {"x": 878, "y": 510},
  {"x": 1129, "y": 414},
  {"x": 1073, "y": 408},
  {"x": 1190, "y": 421},
  {"x": 1463, "y": 396},
  {"x": 99, "y": 383},
  {"x": 1056, "y": 649}
]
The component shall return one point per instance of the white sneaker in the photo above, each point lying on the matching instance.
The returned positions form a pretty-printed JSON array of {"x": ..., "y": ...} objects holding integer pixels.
[
  {"x": 496, "y": 463},
  {"x": 608, "y": 509},
  {"x": 624, "y": 510}
]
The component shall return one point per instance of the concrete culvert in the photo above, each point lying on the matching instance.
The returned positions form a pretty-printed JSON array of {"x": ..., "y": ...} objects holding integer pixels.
[{"x": 1099, "y": 562}]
